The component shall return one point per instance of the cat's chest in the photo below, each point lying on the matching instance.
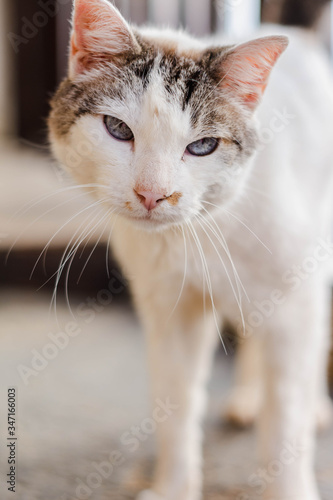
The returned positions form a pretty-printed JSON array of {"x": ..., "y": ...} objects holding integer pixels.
[
  {"x": 234, "y": 261},
  {"x": 215, "y": 256}
]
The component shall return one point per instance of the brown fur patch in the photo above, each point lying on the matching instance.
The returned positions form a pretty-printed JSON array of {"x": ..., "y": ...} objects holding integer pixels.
[
  {"x": 174, "y": 198},
  {"x": 227, "y": 141},
  {"x": 128, "y": 205}
]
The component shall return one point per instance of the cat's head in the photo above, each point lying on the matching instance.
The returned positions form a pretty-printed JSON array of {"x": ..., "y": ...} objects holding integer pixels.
[{"x": 158, "y": 122}]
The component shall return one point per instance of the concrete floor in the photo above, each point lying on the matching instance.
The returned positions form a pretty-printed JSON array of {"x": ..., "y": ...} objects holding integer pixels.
[{"x": 72, "y": 412}]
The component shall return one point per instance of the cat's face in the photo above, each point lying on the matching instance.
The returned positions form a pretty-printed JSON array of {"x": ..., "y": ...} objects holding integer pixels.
[{"x": 159, "y": 124}]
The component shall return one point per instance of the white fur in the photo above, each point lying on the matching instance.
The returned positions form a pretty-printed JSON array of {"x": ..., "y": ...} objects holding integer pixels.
[{"x": 183, "y": 292}]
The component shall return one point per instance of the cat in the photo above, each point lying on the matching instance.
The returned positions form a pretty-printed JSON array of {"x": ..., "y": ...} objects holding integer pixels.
[{"x": 221, "y": 203}]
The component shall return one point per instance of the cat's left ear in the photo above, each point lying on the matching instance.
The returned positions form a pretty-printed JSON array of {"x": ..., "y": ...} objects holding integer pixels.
[
  {"x": 99, "y": 33},
  {"x": 244, "y": 70}
]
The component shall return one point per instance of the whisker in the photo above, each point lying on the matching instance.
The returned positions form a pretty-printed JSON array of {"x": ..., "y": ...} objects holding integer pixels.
[
  {"x": 109, "y": 212},
  {"x": 34, "y": 145},
  {"x": 45, "y": 213},
  {"x": 75, "y": 250},
  {"x": 241, "y": 222},
  {"x": 38, "y": 218},
  {"x": 107, "y": 256},
  {"x": 224, "y": 244},
  {"x": 249, "y": 229},
  {"x": 237, "y": 296},
  {"x": 69, "y": 257},
  {"x": 73, "y": 236},
  {"x": 257, "y": 191},
  {"x": 65, "y": 252},
  {"x": 184, "y": 275},
  {"x": 207, "y": 277},
  {"x": 72, "y": 252},
  {"x": 33, "y": 203},
  {"x": 69, "y": 243},
  {"x": 61, "y": 228}
]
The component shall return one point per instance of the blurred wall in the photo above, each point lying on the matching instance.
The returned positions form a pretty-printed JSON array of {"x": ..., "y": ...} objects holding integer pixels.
[
  {"x": 29, "y": 75},
  {"x": 7, "y": 93}
]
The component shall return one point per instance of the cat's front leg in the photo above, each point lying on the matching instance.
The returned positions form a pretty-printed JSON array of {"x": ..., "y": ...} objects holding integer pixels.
[
  {"x": 245, "y": 399},
  {"x": 180, "y": 350},
  {"x": 294, "y": 356}
]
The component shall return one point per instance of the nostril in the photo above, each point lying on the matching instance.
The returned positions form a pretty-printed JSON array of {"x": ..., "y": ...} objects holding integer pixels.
[{"x": 140, "y": 196}]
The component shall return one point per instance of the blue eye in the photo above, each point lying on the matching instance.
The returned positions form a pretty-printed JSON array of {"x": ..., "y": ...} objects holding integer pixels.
[
  {"x": 203, "y": 147},
  {"x": 118, "y": 129}
]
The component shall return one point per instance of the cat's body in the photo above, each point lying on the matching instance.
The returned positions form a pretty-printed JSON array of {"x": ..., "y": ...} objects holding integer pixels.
[{"x": 183, "y": 254}]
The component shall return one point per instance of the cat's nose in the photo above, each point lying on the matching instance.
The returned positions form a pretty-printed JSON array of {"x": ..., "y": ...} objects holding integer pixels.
[{"x": 148, "y": 199}]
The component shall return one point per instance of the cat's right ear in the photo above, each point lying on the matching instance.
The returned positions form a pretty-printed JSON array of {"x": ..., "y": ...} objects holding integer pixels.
[
  {"x": 243, "y": 71},
  {"x": 99, "y": 33}
]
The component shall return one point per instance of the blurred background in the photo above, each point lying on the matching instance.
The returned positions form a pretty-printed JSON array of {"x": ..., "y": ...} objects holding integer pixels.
[{"x": 78, "y": 402}]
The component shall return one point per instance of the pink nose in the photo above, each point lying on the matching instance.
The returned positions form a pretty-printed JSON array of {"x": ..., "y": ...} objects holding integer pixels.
[{"x": 148, "y": 199}]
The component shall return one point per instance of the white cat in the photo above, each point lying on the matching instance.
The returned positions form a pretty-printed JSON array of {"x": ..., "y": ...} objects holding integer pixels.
[{"x": 222, "y": 211}]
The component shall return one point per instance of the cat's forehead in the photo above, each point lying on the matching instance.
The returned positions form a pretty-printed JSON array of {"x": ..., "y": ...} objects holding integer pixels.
[{"x": 184, "y": 73}]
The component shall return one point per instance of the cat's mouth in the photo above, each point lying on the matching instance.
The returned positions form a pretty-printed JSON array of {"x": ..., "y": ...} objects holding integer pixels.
[{"x": 154, "y": 220}]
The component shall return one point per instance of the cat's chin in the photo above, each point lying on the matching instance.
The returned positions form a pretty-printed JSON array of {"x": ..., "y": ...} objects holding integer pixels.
[{"x": 151, "y": 224}]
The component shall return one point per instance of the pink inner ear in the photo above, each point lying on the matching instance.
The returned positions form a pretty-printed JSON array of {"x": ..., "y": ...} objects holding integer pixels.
[
  {"x": 248, "y": 66},
  {"x": 99, "y": 31},
  {"x": 83, "y": 20}
]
